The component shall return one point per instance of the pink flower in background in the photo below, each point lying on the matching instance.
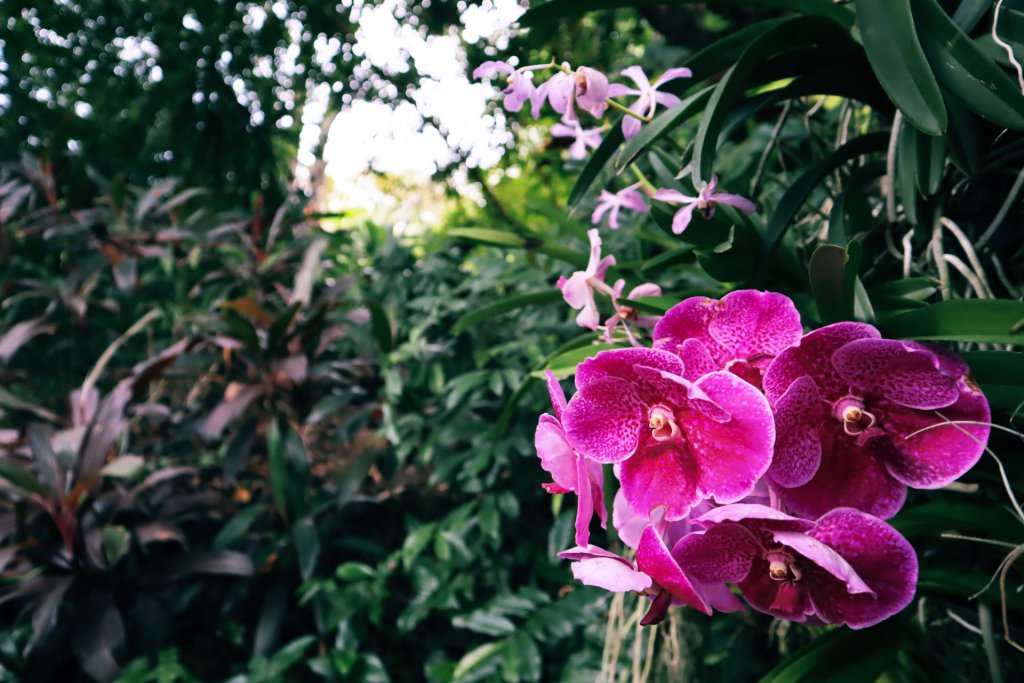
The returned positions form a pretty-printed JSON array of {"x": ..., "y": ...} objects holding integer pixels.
[
  {"x": 677, "y": 442},
  {"x": 591, "y": 91},
  {"x": 647, "y": 95},
  {"x": 578, "y": 289},
  {"x": 847, "y": 567},
  {"x": 742, "y": 333},
  {"x": 586, "y": 88},
  {"x": 570, "y": 472},
  {"x": 627, "y": 314},
  {"x": 582, "y": 138},
  {"x": 706, "y": 201},
  {"x": 520, "y": 86},
  {"x": 612, "y": 203},
  {"x": 849, "y": 407}
]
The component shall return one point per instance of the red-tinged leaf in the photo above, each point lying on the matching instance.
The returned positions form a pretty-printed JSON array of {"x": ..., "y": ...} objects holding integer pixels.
[
  {"x": 20, "y": 334},
  {"x": 219, "y": 562},
  {"x": 237, "y": 397},
  {"x": 48, "y": 467}
]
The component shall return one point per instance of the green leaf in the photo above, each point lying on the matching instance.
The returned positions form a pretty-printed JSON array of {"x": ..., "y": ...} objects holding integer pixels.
[
  {"x": 354, "y": 571},
  {"x": 498, "y": 238},
  {"x": 829, "y": 656},
  {"x": 307, "y": 546},
  {"x": 480, "y": 657},
  {"x": 660, "y": 126},
  {"x": 9, "y": 400},
  {"x": 896, "y": 56},
  {"x": 561, "y": 9},
  {"x": 487, "y": 623},
  {"x": 504, "y": 305},
  {"x": 1001, "y": 376},
  {"x": 907, "y": 172},
  {"x": 116, "y": 543},
  {"x": 833, "y": 271},
  {"x": 21, "y": 478},
  {"x": 278, "y": 468},
  {"x": 237, "y": 527},
  {"x": 965, "y": 70},
  {"x": 521, "y": 659},
  {"x": 986, "y": 321},
  {"x": 564, "y": 365}
]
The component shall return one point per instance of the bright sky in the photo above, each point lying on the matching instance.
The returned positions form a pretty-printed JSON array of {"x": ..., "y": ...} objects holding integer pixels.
[{"x": 396, "y": 139}]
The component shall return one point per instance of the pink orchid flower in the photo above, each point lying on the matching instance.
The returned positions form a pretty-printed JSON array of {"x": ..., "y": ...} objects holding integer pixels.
[
  {"x": 612, "y": 203},
  {"x": 847, "y": 567},
  {"x": 850, "y": 409},
  {"x": 570, "y": 471},
  {"x": 586, "y": 88},
  {"x": 627, "y": 314},
  {"x": 648, "y": 97},
  {"x": 582, "y": 138},
  {"x": 742, "y": 333},
  {"x": 520, "y": 86},
  {"x": 578, "y": 289},
  {"x": 706, "y": 201},
  {"x": 677, "y": 442}
]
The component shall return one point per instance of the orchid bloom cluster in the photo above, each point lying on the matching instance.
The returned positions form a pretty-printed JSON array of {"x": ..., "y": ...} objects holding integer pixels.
[
  {"x": 588, "y": 89},
  {"x": 756, "y": 464}
]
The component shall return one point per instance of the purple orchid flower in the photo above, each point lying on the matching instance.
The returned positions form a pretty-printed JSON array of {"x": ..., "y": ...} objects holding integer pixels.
[
  {"x": 612, "y": 203},
  {"x": 742, "y": 333},
  {"x": 520, "y": 86},
  {"x": 627, "y": 314},
  {"x": 677, "y": 442},
  {"x": 847, "y": 567},
  {"x": 586, "y": 88},
  {"x": 850, "y": 409},
  {"x": 582, "y": 138},
  {"x": 570, "y": 471},
  {"x": 706, "y": 201},
  {"x": 647, "y": 95},
  {"x": 578, "y": 289}
]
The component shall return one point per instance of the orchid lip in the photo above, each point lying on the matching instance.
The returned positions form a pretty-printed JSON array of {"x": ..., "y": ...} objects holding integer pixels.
[
  {"x": 782, "y": 567},
  {"x": 663, "y": 424},
  {"x": 856, "y": 419}
]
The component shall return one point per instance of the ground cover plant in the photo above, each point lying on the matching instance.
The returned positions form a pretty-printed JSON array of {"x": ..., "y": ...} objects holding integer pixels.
[{"x": 715, "y": 376}]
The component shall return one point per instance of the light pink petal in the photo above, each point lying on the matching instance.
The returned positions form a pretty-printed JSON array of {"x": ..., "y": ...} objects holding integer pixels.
[
  {"x": 646, "y": 289},
  {"x": 906, "y": 374},
  {"x": 555, "y": 453},
  {"x": 812, "y": 356},
  {"x": 631, "y": 125},
  {"x": 602, "y": 267},
  {"x": 610, "y": 574},
  {"x": 637, "y": 75},
  {"x": 825, "y": 557},
  {"x": 589, "y": 317},
  {"x": 620, "y": 362},
  {"x": 741, "y": 203},
  {"x": 591, "y": 89},
  {"x": 578, "y": 149},
  {"x": 732, "y": 455},
  {"x": 557, "y": 395},
  {"x": 491, "y": 69},
  {"x": 576, "y": 290},
  {"x": 673, "y": 74},
  {"x": 601, "y": 209},
  {"x": 722, "y": 554},
  {"x": 849, "y": 476},
  {"x": 619, "y": 90},
  {"x": 660, "y": 475},
  {"x": 605, "y": 419},
  {"x": 626, "y": 521},
  {"x": 666, "y": 99},
  {"x": 654, "y": 559},
  {"x": 938, "y": 456},
  {"x": 682, "y": 219},
  {"x": 882, "y": 558},
  {"x": 673, "y": 197},
  {"x": 749, "y": 323},
  {"x": 559, "y": 92},
  {"x": 753, "y": 512},
  {"x": 560, "y": 130},
  {"x": 595, "y": 251},
  {"x": 798, "y": 416}
]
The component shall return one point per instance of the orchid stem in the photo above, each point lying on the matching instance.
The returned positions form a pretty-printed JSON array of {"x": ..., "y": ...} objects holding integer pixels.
[
  {"x": 647, "y": 184},
  {"x": 626, "y": 110}
]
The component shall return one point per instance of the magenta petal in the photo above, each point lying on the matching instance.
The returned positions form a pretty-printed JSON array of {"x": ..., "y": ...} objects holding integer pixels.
[
  {"x": 556, "y": 393},
  {"x": 798, "y": 415},
  {"x": 722, "y": 554},
  {"x": 783, "y": 599},
  {"x": 751, "y": 323},
  {"x": 584, "y": 502},
  {"x": 654, "y": 559},
  {"x": 937, "y": 456},
  {"x": 905, "y": 374},
  {"x": 696, "y": 359},
  {"x": 825, "y": 557},
  {"x": 732, "y": 455},
  {"x": 626, "y": 521},
  {"x": 812, "y": 356},
  {"x": 604, "y": 420},
  {"x": 849, "y": 475},
  {"x": 556, "y": 455},
  {"x": 620, "y": 362},
  {"x": 660, "y": 475},
  {"x": 739, "y": 512},
  {"x": 882, "y": 558}
]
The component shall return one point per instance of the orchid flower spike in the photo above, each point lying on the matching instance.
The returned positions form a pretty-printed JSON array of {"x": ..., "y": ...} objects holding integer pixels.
[
  {"x": 578, "y": 289},
  {"x": 586, "y": 88},
  {"x": 706, "y": 201},
  {"x": 611, "y": 203},
  {"x": 648, "y": 97},
  {"x": 627, "y": 314},
  {"x": 520, "y": 86},
  {"x": 582, "y": 138}
]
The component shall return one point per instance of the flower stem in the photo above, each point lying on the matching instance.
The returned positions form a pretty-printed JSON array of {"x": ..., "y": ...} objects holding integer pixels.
[
  {"x": 644, "y": 182},
  {"x": 626, "y": 110}
]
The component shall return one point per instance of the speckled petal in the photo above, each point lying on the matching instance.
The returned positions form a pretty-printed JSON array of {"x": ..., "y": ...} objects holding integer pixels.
[
  {"x": 696, "y": 358},
  {"x": 732, "y": 455},
  {"x": 604, "y": 420},
  {"x": 689, "y": 319},
  {"x": 905, "y": 374},
  {"x": 750, "y": 323},
  {"x": 722, "y": 554},
  {"x": 812, "y": 357},
  {"x": 557, "y": 395},
  {"x": 654, "y": 559},
  {"x": 882, "y": 558},
  {"x": 620, "y": 362},
  {"x": 825, "y": 557},
  {"x": 850, "y": 475},
  {"x": 660, "y": 475},
  {"x": 798, "y": 415},
  {"x": 754, "y": 513},
  {"x": 556, "y": 455}
]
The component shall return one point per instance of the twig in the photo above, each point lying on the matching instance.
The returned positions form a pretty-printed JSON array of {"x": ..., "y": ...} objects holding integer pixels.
[
  {"x": 940, "y": 261},
  {"x": 975, "y": 283},
  {"x": 972, "y": 255},
  {"x": 1010, "y": 559}
]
